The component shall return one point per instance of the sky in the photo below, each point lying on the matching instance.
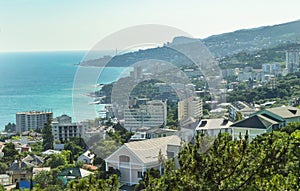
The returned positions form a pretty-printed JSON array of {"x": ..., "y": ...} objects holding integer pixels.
[{"x": 47, "y": 25}]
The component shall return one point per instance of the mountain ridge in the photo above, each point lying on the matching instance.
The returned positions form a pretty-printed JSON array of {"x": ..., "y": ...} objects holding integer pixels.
[
  {"x": 220, "y": 45},
  {"x": 253, "y": 39}
]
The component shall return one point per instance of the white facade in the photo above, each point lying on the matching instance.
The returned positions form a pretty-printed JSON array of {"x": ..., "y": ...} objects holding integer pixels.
[
  {"x": 242, "y": 107},
  {"x": 244, "y": 76},
  {"x": 32, "y": 120},
  {"x": 134, "y": 158},
  {"x": 212, "y": 127},
  {"x": 190, "y": 108},
  {"x": 63, "y": 128},
  {"x": 153, "y": 114},
  {"x": 292, "y": 61},
  {"x": 87, "y": 157},
  {"x": 4, "y": 179}
]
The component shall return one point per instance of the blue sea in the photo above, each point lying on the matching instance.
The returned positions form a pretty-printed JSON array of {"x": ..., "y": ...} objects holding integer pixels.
[{"x": 44, "y": 81}]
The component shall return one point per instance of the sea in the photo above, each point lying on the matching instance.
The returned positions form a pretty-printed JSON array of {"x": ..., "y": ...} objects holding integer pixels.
[{"x": 44, "y": 81}]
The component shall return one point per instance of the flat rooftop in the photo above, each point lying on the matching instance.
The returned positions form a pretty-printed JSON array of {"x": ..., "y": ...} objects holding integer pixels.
[{"x": 35, "y": 112}]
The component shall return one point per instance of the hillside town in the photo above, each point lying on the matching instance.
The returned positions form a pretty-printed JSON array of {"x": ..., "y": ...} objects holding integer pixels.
[{"x": 46, "y": 151}]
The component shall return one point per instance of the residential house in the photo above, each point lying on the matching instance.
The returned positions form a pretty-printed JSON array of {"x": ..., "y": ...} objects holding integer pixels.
[
  {"x": 150, "y": 133},
  {"x": 51, "y": 152},
  {"x": 266, "y": 121},
  {"x": 33, "y": 160},
  {"x": 134, "y": 158},
  {"x": 283, "y": 115},
  {"x": 243, "y": 108},
  {"x": 21, "y": 170},
  {"x": 212, "y": 127},
  {"x": 87, "y": 157},
  {"x": 72, "y": 173},
  {"x": 4, "y": 179},
  {"x": 255, "y": 125}
]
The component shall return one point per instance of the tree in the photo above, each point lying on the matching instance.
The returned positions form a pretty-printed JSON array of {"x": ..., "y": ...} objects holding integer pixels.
[
  {"x": 3, "y": 168},
  {"x": 48, "y": 139},
  {"x": 10, "y": 127},
  {"x": 37, "y": 147},
  {"x": 90, "y": 183},
  {"x": 10, "y": 153},
  {"x": 269, "y": 162},
  {"x": 238, "y": 116},
  {"x": 76, "y": 145},
  {"x": 10, "y": 150},
  {"x": 44, "y": 179},
  {"x": 56, "y": 160}
]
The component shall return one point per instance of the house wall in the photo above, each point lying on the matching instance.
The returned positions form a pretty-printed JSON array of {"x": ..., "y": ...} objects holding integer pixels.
[
  {"x": 18, "y": 176},
  {"x": 214, "y": 132},
  {"x": 130, "y": 170},
  {"x": 84, "y": 159},
  {"x": 251, "y": 132},
  {"x": 294, "y": 119},
  {"x": 5, "y": 181}
]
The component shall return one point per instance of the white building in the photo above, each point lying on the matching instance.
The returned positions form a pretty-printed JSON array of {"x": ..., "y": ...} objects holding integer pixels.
[
  {"x": 153, "y": 114},
  {"x": 51, "y": 152},
  {"x": 87, "y": 157},
  {"x": 266, "y": 120},
  {"x": 134, "y": 158},
  {"x": 243, "y": 108},
  {"x": 4, "y": 179},
  {"x": 32, "y": 120},
  {"x": 271, "y": 68},
  {"x": 292, "y": 61},
  {"x": 63, "y": 128},
  {"x": 212, "y": 127},
  {"x": 244, "y": 76},
  {"x": 190, "y": 108}
]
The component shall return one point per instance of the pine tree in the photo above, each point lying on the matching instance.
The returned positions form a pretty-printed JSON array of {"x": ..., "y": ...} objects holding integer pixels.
[{"x": 48, "y": 139}]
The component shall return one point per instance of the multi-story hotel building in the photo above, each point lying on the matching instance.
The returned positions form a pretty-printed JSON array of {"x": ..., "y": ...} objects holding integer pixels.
[
  {"x": 189, "y": 108},
  {"x": 152, "y": 114},
  {"x": 32, "y": 120},
  {"x": 63, "y": 128}
]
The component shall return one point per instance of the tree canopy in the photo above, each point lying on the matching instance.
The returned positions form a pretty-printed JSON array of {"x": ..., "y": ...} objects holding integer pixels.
[{"x": 268, "y": 162}]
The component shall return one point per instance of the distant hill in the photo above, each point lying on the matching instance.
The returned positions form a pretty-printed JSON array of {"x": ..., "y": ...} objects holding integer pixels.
[
  {"x": 253, "y": 39},
  {"x": 257, "y": 58},
  {"x": 222, "y": 45}
]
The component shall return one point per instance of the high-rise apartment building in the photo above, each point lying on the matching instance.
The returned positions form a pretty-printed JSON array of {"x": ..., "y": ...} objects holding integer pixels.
[
  {"x": 292, "y": 61},
  {"x": 32, "y": 120},
  {"x": 190, "y": 108},
  {"x": 152, "y": 114}
]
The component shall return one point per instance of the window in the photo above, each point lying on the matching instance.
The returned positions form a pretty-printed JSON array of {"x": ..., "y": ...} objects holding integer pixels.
[
  {"x": 124, "y": 158},
  {"x": 140, "y": 174},
  {"x": 170, "y": 154}
]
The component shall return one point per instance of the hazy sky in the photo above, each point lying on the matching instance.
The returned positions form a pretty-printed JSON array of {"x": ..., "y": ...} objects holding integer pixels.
[{"x": 30, "y": 25}]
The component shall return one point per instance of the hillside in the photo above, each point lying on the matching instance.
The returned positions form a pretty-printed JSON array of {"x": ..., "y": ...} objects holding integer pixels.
[
  {"x": 253, "y": 39},
  {"x": 257, "y": 58},
  {"x": 222, "y": 45}
]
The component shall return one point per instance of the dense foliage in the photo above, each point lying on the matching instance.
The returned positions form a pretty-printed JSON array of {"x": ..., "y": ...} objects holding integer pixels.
[
  {"x": 48, "y": 138},
  {"x": 287, "y": 87},
  {"x": 269, "y": 162},
  {"x": 256, "y": 59}
]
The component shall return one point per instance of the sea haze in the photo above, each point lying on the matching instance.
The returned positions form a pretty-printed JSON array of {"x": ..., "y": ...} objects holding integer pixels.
[{"x": 41, "y": 81}]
